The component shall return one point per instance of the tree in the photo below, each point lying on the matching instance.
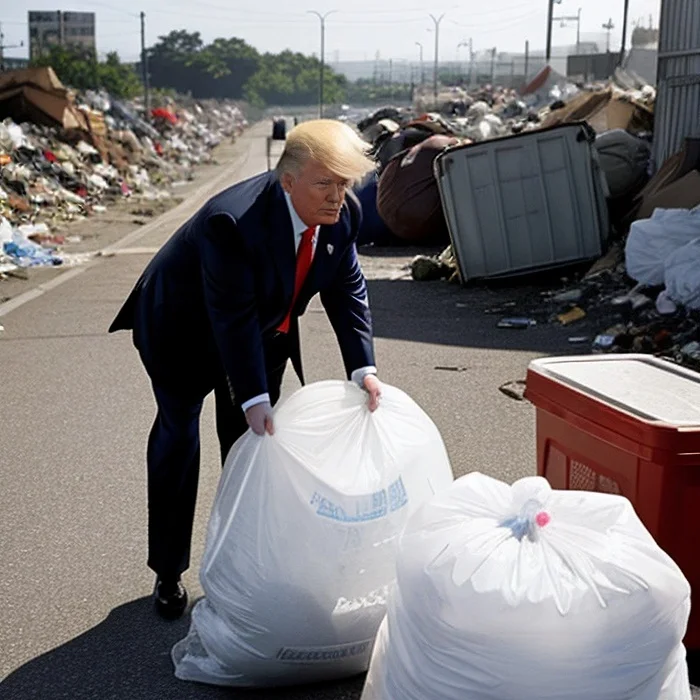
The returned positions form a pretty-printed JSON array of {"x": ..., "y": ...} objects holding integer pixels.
[
  {"x": 117, "y": 78},
  {"x": 367, "y": 92},
  {"x": 171, "y": 60},
  {"x": 78, "y": 67},
  {"x": 291, "y": 78},
  {"x": 232, "y": 69},
  {"x": 181, "y": 60},
  {"x": 226, "y": 65}
]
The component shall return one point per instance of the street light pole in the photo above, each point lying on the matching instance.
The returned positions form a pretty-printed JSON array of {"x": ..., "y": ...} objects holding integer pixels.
[
  {"x": 437, "y": 21},
  {"x": 422, "y": 74},
  {"x": 322, "y": 18}
]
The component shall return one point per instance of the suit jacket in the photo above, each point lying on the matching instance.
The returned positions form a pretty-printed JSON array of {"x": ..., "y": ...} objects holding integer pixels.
[{"x": 224, "y": 282}]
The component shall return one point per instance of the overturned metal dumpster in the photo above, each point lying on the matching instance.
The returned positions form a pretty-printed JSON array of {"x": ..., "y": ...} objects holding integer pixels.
[{"x": 524, "y": 203}]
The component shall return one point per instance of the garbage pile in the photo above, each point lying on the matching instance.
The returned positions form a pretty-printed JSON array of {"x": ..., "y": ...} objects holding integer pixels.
[
  {"x": 619, "y": 116},
  {"x": 640, "y": 297},
  {"x": 644, "y": 295},
  {"x": 64, "y": 157}
]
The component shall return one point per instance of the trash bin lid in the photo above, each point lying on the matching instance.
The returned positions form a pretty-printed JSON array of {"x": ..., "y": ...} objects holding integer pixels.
[{"x": 650, "y": 388}]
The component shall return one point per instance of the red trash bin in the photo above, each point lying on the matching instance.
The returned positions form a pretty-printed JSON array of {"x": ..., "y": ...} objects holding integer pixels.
[{"x": 629, "y": 425}]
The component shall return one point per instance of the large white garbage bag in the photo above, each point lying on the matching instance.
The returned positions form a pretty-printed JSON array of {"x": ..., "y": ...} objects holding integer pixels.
[
  {"x": 682, "y": 275},
  {"x": 524, "y": 593},
  {"x": 651, "y": 241},
  {"x": 303, "y": 538}
]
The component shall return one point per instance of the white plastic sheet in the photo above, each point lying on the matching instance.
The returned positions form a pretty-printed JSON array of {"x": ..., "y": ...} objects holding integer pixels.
[
  {"x": 682, "y": 275},
  {"x": 525, "y": 593},
  {"x": 651, "y": 241},
  {"x": 303, "y": 538}
]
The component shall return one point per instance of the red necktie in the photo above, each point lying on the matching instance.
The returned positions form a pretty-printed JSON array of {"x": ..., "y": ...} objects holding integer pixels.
[{"x": 305, "y": 255}]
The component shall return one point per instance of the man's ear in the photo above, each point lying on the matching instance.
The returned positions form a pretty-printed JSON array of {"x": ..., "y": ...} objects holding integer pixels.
[{"x": 287, "y": 180}]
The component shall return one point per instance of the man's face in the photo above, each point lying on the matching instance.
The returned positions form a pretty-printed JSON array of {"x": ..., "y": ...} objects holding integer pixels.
[{"x": 317, "y": 193}]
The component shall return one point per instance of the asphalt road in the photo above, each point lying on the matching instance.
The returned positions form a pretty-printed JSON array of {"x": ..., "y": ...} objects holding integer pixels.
[{"x": 76, "y": 620}]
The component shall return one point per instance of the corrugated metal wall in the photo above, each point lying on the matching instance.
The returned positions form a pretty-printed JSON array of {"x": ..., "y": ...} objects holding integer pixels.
[{"x": 678, "y": 102}]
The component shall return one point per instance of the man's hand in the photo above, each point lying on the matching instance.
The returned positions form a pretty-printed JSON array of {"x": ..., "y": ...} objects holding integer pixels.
[
  {"x": 374, "y": 388},
  {"x": 259, "y": 418}
]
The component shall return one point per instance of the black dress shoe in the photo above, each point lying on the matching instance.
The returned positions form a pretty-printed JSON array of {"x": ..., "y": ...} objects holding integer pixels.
[{"x": 170, "y": 598}]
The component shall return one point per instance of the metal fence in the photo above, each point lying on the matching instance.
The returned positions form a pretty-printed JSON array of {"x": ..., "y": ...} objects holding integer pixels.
[
  {"x": 678, "y": 102},
  {"x": 592, "y": 66},
  {"x": 7, "y": 63}
]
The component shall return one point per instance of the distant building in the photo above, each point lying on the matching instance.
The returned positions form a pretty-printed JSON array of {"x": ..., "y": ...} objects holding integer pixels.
[
  {"x": 645, "y": 36},
  {"x": 48, "y": 29}
]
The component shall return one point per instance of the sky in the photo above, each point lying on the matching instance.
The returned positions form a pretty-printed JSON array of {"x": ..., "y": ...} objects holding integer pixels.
[{"x": 355, "y": 30}]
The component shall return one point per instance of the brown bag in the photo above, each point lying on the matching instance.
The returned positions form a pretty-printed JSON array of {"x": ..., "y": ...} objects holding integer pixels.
[{"x": 408, "y": 199}]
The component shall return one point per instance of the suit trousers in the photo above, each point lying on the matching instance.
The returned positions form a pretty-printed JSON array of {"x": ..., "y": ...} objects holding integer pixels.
[{"x": 173, "y": 458}]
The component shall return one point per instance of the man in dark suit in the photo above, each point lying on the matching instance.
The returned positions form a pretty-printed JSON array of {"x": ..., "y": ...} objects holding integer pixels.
[{"x": 217, "y": 309}]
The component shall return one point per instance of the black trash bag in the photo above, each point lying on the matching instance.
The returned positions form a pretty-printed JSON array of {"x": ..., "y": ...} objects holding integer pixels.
[
  {"x": 402, "y": 141},
  {"x": 279, "y": 130}
]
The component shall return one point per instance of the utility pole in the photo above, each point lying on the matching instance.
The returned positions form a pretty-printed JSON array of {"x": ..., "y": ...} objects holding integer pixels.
[
  {"x": 422, "y": 74},
  {"x": 3, "y": 46},
  {"x": 527, "y": 60},
  {"x": 436, "y": 21},
  {"x": 550, "y": 15},
  {"x": 577, "y": 19},
  {"x": 609, "y": 26},
  {"x": 578, "y": 31},
  {"x": 322, "y": 18},
  {"x": 550, "y": 19},
  {"x": 494, "y": 51},
  {"x": 471, "y": 63},
  {"x": 624, "y": 31},
  {"x": 459, "y": 64},
  {"x": 144, "y": 67}
]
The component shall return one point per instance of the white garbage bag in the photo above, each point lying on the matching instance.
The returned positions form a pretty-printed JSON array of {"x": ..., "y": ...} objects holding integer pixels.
[
  {"x": 651, "y": 241},
  {"x": 525, "y": 593},
  {"x": 682, "y": 275},
  {"x": 303, "y": 538}
]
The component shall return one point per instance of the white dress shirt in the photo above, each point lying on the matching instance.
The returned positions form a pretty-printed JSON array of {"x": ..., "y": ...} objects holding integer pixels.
[{"x": 299, "y": 227}]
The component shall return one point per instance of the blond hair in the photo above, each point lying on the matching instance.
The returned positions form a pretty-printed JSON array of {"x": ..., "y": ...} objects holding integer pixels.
[{"x": 329, "y": 142}]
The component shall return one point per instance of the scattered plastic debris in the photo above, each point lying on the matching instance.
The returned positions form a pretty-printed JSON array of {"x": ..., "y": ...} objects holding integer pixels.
[
  {"x": 517, "y": 323},
  {"x": 575, "y": 314}
]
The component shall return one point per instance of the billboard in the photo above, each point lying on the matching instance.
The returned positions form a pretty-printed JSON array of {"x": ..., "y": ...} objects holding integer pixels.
[{"x": 52, "y": 28}]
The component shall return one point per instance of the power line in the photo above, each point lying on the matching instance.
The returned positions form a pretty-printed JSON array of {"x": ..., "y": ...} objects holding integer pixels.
[
  {"x": 246, "y": 10},
  {"x": 498, "y": 11},
  {"x": 101, "y": 20},
  {"x": 509, "y": 22},
  {"x": 279, "y": 20},
  {"x": 106, "y": 6}
]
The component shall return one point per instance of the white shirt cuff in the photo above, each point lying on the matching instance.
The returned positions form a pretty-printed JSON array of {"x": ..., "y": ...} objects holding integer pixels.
[
  {"x": 359, "y": 375},
  {"x": 262, "y": 398}
]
